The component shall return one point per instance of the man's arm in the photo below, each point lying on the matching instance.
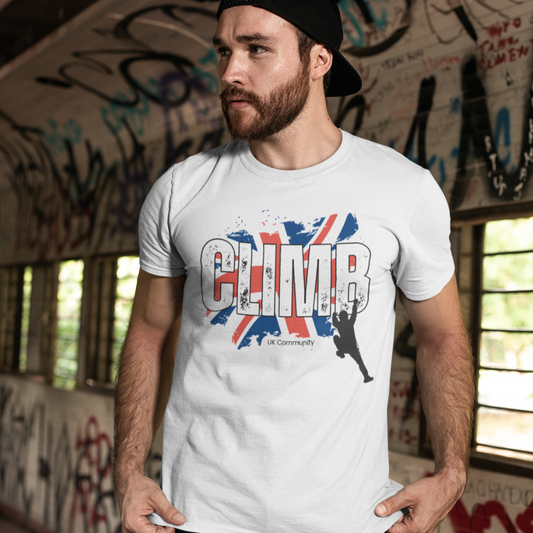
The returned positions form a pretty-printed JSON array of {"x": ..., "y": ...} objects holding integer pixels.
[
  {"x": 353, "y": 316},
  {"x": 445, "y": 371},
  {"x": 139, "y": 398}
]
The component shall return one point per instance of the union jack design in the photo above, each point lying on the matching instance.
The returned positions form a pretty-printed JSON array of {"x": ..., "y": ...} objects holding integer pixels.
[{"x": 332, "y": 230}]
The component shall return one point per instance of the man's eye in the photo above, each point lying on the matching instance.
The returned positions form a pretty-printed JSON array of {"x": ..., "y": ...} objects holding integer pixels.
[
  {"x": 223, "y": 51},
  {"x": 257, "y": 49}
]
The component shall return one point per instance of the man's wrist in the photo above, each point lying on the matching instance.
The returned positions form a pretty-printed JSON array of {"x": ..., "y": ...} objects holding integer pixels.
[
  {"x": 454, "y": 475},
  {"x": 124, "y": 473}
]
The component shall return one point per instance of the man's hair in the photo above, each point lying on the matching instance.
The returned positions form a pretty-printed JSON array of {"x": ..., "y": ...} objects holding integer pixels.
[{"x": 305, "y": 43}]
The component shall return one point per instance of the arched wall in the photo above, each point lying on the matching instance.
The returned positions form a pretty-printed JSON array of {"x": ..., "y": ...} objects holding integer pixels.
[{"x": 91, "y": 117}]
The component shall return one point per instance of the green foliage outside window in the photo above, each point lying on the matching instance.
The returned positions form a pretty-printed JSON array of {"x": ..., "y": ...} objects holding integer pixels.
[
  {"x": 127, "y": 271},
  {"x": 25, "y": 318},
  {"x": 68, "y": 323},
  {"x": 505, "y": 386}
]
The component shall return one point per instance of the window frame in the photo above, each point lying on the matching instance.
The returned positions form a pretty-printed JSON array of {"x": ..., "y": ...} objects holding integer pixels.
[
  {"x": 481, "y": 459},
  {"x": 11, "y": 297}
]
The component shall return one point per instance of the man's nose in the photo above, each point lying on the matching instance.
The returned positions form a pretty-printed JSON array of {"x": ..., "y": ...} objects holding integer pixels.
[{"x": 233, "y": 71}]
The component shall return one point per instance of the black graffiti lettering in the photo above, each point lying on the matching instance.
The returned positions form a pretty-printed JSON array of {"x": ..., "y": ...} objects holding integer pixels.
[
  {"x": 425, "y": 103},
  {"x": 465, "y": 21},
  {"x": 461, "y": 15},
  {"x": 88, "y": 60},
  {"x": 143, "y": 52},
  {"x": 367, "y": 16},
  {"x": 62, "y": 472},
  {"x": 476, "y": 131},
  {"x": 211, "y": 139},
  {"x": 23, "y": 430},
  {"x": 54, "y": 82},
  {"x": 59, "y": 206},
  {"x": 179, "y": 63},
  {"x": 133, "y": 185},
  {"x": 356, "y": 102}
]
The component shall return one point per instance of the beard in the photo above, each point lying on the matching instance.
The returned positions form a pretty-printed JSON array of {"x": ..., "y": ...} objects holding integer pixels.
[{"x": 275, "y": 111}]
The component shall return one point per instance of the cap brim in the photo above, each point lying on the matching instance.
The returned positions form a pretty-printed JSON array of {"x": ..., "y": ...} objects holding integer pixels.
[{"x": 345, "y": 79}]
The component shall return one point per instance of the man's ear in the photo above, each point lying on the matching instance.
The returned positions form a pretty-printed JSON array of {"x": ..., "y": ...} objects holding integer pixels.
[{"x": 321, "y": 61}]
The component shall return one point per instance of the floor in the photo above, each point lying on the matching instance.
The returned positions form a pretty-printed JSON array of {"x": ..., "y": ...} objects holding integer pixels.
[{"x": 6, "y": 526}]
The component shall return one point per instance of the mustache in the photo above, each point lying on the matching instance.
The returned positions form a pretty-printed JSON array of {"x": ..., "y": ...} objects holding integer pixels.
[{"x": 237, "y": 92}]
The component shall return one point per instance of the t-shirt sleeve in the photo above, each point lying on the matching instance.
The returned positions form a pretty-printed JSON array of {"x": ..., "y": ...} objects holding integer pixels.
[
  {"x": 425, "y": 263},
  {"x": 157, "y": 253}
]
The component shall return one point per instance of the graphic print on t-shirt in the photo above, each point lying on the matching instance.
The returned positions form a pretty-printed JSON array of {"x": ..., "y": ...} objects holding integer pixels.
[
  {"x": 287, "y": 277},
  {"x": 346, "y": 342}
]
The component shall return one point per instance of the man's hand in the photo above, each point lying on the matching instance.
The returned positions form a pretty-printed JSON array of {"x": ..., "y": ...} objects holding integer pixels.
[
  {"x": 428, "y": 501},
  {"x": 141, "y": 497}
]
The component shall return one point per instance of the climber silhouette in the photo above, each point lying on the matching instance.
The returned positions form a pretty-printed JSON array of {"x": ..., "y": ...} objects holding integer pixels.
[{"x": 346, "y": 342}]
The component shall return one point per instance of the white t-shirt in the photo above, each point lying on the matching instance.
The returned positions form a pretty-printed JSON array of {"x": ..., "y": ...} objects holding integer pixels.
[{"x": 276, "y": 421}]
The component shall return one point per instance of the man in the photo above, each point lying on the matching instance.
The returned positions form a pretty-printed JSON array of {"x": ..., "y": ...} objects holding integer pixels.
[{"x": 260, "y": 243}]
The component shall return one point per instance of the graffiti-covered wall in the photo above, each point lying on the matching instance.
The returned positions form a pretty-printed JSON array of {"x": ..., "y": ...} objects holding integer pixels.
[
  {"x": 494, "y": 503},
  {"x": 91, "y": 121},
  {"x": 90, "y": 118},
  {"x": 449, "y": 84},
  {"x": 56, "y": 457}
]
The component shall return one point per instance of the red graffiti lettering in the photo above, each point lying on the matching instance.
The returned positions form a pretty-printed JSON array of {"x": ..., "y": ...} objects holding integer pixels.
[
  {"x": 400, "y": 389},
  {"x": 498, "y": 29},
  {"x": 92, "y": 473},
  {"x": 482, "y": 516},
  {"x": 502, "y": 27},
  {"x": 400, "y": 413},
  {"x": 525, "y": 520},
  {"x": 402, "y": 435}
]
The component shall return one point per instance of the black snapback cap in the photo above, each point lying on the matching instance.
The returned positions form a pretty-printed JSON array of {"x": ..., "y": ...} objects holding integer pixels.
[{"x": 321, "y": 20}]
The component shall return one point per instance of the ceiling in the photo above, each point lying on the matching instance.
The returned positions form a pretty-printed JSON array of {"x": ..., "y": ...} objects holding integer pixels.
[{"x": 25, "y": 22}]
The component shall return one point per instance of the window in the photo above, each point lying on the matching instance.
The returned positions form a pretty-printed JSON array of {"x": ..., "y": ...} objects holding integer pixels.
[
  {"x": 72, "y": 335},
  {"x": 127, "y": 272},
  {"x": 25, "y": 317},
  {"x": 15, "y": 294},
  {"x": 112, "y": 290},
  {"x": 68, "y": 323},
  {"x": 504, "y": 410}
]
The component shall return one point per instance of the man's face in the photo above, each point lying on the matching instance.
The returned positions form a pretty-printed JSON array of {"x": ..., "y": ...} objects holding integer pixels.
[{"x": 264, "y": 83}]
